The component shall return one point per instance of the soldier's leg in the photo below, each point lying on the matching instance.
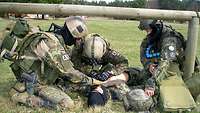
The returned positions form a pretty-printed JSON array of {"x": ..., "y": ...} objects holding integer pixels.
[
  {"x": 19, "y": 95},
  {"x": 56, "y": 96}
]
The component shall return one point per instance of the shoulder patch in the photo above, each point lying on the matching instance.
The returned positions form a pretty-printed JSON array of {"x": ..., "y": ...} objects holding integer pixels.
[
  {"x": 114, "y": 53},
  {"x": 65, "y": 57}
]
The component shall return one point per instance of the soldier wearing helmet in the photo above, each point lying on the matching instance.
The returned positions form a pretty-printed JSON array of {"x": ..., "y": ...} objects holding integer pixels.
[
  {"x": 161, "y": 52},
  {"x": 97, "y": 60},
  {"x": 162, "y": 42},
  {"x": 40, "y": 58}
]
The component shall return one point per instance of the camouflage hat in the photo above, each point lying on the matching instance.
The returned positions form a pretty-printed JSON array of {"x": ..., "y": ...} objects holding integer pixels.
[
  {"x": 138, "y": 100},
  {"x": 145, "y": 24},
  {"x": 76, "y": 26},
  {"x": 94, "y": 46}
]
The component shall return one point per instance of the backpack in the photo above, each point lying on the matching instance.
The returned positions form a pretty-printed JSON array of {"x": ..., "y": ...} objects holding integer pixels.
[{"x": 13, "y": 37}]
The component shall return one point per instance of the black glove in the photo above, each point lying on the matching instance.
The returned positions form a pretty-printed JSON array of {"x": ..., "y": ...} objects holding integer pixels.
[{"x": 102, "y": 76}]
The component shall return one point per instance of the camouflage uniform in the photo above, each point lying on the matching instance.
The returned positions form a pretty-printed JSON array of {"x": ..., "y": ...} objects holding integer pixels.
[
  {"x": 163, "y": 44},
  {"x": 156, "y": 47},
  {"x": 111, "y": 61},
  {"x": 39, "y": 59}
]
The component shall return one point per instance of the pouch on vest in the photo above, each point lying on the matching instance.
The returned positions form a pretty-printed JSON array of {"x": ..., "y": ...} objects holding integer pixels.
[{"x": 174, "y": 95}]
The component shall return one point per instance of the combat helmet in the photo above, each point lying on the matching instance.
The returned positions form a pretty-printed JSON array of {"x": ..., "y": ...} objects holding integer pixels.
[
  {"x": 146, "y": 23},
  {"x": 76, "y": 26},
  {"x": 94, "y": 46}
]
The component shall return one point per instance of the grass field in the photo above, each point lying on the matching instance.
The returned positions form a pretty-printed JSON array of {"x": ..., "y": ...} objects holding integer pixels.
[{"x": 123, "y": 36}]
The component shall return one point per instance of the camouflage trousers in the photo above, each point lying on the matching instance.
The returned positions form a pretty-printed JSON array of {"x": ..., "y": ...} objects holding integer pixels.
[{"x": 44, "y": 96}]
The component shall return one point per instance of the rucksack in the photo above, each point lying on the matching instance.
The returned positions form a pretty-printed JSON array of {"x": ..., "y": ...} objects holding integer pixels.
[{"x": 13, "y": 37}]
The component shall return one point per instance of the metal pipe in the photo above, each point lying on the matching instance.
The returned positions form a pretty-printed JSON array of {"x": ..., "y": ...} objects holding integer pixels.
[
  {"x": 66, "y": 10},
  {"x": 191, "y": 47}
]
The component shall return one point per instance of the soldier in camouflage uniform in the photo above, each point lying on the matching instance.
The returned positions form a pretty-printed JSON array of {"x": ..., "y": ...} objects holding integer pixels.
[
  {"x": 40, "y": 58},
  {"x": 97, "y": 60},
  {"x": 162, "y": 42},
  {"x": 162, "y": 45}
]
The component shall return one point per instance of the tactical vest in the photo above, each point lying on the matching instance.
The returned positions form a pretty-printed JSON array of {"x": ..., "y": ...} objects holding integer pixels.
[{"x": 16, "y": 48}]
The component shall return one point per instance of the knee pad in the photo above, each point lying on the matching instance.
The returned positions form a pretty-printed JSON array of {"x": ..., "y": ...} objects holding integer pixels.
[{"x": 98, "y": 99}]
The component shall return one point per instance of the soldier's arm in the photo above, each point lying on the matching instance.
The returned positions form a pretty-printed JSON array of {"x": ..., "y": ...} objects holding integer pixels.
[
  {"x": 169, "y": 48},
  {"x": 113, "y": 64},
  {"x": 53, "y": 53},
  {"x": 119, "y": 62}
]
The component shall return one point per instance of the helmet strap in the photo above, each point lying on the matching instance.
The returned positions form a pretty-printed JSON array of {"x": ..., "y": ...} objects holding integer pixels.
[{"x": 67, "y": 36}]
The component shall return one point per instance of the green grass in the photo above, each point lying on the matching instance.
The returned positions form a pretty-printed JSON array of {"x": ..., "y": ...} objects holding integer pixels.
[{"x": 123, "y": 36}]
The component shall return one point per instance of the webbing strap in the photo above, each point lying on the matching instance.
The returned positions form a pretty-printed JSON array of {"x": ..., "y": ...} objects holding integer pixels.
[
  {"x": 3, "y": 52},
  {"x": 14, "y": 47},
  {"x": 92, "y": 48},
  {"x": 42, "y": 67},
  {"x": 28, "y": 57}
]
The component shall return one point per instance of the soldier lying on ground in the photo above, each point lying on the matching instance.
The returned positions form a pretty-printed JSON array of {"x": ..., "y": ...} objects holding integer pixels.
[{"x": 39, "y": 59}]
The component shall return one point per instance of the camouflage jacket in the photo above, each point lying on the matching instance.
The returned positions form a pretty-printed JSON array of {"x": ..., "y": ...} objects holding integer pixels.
[
  {"x": 163, "y": 43},
  {"x": 111, "y": 61},
  {"x": 44, "y": 53}
]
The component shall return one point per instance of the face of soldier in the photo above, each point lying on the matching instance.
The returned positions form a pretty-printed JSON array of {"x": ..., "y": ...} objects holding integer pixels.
[{"x": 78, "y": 42}]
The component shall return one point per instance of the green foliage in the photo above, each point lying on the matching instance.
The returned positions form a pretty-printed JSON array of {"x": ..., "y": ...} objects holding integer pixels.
[
  {"x": 46, "y": 1},
  {"x": 170, "y": 4},
  {"x": 133, "y": 3},
  {"x": 178, "y": 4},
  {"x": 34, "y": 1}
]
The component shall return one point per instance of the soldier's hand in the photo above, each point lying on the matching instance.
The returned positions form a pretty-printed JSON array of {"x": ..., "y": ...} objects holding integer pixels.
[
  {"x": 149, "y": 91},
  {"x": 152, "y": 68},
  {"x": 96, "y": 82}
]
